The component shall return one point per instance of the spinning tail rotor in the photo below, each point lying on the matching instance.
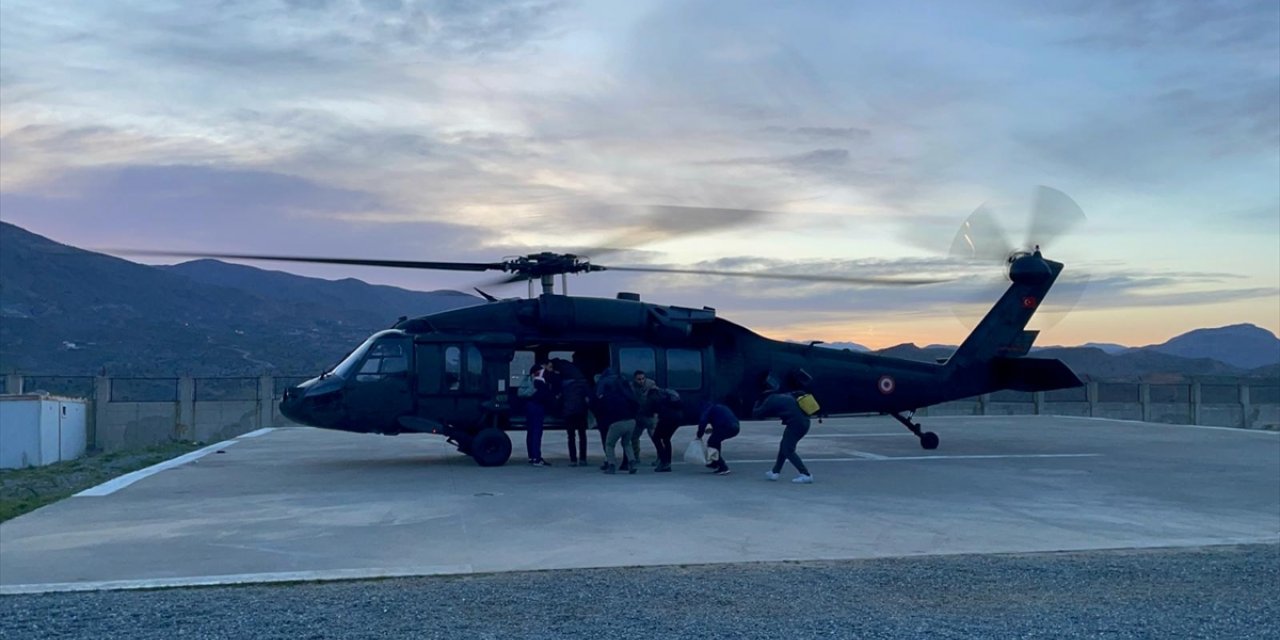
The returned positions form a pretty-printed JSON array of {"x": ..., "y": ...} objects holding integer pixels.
[{"x": 982, "y": 239}]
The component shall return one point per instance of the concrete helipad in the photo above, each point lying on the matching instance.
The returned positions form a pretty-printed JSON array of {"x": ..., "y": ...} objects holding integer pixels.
[{"x": 304, "y": 504}]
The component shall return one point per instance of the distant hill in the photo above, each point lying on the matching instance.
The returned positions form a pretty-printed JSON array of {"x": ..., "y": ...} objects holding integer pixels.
[
  {"x": 68, "y": 311},
  {"x": 852, "y": 346},
  {"x": 1096, "y": 364},
  {"x": 1242, "y": 345}
]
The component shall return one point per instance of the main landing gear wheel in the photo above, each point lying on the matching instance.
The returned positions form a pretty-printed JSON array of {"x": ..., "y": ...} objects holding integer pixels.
[
  {"x": 491, "y": 447},
  {"x": 928, "y": 439}
]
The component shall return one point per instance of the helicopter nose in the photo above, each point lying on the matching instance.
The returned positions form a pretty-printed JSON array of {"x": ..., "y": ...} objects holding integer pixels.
[{"x": 292, "y": 405}]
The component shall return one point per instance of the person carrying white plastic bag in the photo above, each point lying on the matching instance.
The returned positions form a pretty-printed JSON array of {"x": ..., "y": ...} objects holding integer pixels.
[
  {"x": 723, "y": 425},
  {"x": 696, "y": 452}
]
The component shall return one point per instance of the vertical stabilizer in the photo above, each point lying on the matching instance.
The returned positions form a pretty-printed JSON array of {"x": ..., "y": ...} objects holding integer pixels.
[{"x": 1002, "y": 333}]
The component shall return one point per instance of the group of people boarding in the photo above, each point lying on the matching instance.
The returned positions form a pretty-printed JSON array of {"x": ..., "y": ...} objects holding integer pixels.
[{"x": 624, "y": 409}]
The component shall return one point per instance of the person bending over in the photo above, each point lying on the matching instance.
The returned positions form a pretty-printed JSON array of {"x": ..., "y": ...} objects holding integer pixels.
[
  {"x": 724, "y": 425},
  {"x": 776, "y": 404}
]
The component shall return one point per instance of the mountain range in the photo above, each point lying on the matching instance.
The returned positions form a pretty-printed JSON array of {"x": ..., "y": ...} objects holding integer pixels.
[{"x": 67, "y": 311}]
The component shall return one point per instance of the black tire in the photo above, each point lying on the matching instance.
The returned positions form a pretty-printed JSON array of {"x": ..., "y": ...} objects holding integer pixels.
[
  {"x": 491, "y": 447},
  {"x": 929, "y": 440}
]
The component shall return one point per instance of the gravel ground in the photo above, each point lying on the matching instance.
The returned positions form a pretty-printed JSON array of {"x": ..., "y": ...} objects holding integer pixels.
[{"x": 1214, "y": 592}]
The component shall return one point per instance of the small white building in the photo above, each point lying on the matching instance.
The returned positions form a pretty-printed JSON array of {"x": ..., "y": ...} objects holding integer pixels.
[{"x": 36, "y": 430}]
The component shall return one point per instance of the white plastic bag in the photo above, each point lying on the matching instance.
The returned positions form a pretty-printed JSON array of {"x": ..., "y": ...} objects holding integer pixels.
[{"x": 696, "y": 452}]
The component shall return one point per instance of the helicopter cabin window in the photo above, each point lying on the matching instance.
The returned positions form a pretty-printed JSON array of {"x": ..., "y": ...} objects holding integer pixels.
[
  {"x": 684, "y": 369},
  {"x": 428, "y": 368},
  {"x": 632, "y": 359},
  {"x": 452, "y": 368},
  {"x": 475, "y": 369},
  {"x": 387, "y": 357},
  {"x": 521, "y": 362}
]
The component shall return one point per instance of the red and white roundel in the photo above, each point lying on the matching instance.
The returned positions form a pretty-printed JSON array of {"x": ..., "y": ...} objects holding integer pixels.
[{"x": 886, "y": 385}]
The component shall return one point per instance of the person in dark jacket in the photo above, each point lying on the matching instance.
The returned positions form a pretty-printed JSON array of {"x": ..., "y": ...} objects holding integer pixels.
[
  {"x": 536, "y": 413},
  {"x": 670, "y": 413},
  {"x": 777, "y": 404},
  {"x": 615, "y": 407},
  {"x": 641, "y": 385},
  {"x": 724, "y": 425},
  {"x": 573, "y": 391}
]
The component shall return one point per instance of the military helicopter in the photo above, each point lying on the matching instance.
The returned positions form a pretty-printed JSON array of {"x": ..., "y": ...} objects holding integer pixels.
[{"x": 455, "y": 373}]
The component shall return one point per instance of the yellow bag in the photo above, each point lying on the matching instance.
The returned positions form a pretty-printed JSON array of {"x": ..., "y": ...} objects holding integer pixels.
[{"x": 808, "y": 404}]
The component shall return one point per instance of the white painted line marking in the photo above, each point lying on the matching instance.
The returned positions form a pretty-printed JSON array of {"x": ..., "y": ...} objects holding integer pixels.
[
  {"x": 878, "y": 458},
  {"x": 115, "y": 484},
  {"x": 238, "y": 578},
  {"x": 904, "y": 434},
  {"x": 1166, "y": 424},
  {"x": 111, "y": 486}
]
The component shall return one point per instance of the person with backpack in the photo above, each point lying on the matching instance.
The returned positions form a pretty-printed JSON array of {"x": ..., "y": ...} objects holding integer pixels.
[{"x": 786, "y": 407}]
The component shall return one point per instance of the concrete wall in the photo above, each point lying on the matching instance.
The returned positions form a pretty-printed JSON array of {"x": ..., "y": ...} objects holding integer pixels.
[{"x": 122, "y": 420}]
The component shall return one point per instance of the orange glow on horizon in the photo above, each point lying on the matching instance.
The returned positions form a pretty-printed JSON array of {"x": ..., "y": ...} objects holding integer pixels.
[{"x": 1131, "y": 327}]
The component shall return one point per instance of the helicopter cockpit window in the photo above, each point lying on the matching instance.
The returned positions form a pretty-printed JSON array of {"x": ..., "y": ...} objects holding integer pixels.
[
  {"x": 684, "y": 369},
  {"x": 386, "y": 357},
  {"x": 367, "y": 359},
  {"x": 452, "y": 368},
  {"x": 632, "y": 359}
]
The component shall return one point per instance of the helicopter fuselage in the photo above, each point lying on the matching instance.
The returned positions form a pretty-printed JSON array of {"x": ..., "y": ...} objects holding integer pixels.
[{"x": 456, "y": 372}]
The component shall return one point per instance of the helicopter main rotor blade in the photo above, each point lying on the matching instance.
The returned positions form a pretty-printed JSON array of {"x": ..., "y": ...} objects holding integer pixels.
[
  {"x": 399, "y": 264},
  {"x": 799, "y": 277}
]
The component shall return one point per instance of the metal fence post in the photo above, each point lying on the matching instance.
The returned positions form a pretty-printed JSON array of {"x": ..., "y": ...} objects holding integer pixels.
[
  {"x": 1144, "y": 398},
  {"x": 983, "y": 401},
  {"x": 13, "y": 383},
  {"x": 1091, "y": 396},
  {"x": 186, "y": 427},
  {"x": 1195, "y": 402},
  {"x": 1038, "y": 399},
  {"x": 101, "y": 398},
  {"x": 1246, "y": 420},
  {"x": 266, "y": 401}
]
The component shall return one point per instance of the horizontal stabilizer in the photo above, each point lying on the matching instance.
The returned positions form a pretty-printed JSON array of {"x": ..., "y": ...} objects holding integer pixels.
[
  {"x": 1020, "y": 346},
  {"x": 1033, "y": 374}
]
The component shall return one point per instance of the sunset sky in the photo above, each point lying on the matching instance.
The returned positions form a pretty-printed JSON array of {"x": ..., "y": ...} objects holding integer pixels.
[{"x": 839, "y": 137}]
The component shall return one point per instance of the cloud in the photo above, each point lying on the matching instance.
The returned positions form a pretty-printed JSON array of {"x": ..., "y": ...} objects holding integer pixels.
[
  {"x": 465, "y": 129},
  {"x": 198, "y": 208},
  {"x": 1247, "y": 27},
  {"x": 832, "y": 133}
]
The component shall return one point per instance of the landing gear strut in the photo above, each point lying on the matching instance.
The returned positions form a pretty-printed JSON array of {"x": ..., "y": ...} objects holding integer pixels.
[{"x": 928, "y": 439}]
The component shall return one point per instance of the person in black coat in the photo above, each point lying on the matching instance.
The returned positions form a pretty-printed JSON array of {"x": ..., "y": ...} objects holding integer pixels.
[
  {"x": 573, "y": 391},
  {"x": 670, "y": 413}
]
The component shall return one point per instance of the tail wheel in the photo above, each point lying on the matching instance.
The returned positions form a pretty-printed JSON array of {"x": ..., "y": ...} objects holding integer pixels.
[{"x": 491, "y": 447}]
